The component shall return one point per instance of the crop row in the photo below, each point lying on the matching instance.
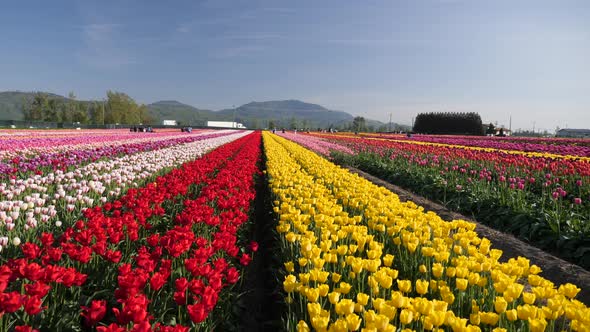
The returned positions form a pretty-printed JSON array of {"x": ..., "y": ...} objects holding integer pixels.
[
  {"x": 42, "y": 203},
  {"x": 162, "y": 257},
  {"x": 357, "y": 258},
  {"x": 539, "y": 199}
]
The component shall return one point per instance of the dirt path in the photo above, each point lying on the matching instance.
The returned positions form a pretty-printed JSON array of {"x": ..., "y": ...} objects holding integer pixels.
[{"x": 554, "y": 269}]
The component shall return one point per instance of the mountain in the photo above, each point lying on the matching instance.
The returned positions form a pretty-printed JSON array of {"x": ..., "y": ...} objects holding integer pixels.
[
  {"x": 281, "y": 113},
  {"x": 11, "y": 103},
  {"x": 285, "y": 113},
  {"x": 183, "y": 113}
]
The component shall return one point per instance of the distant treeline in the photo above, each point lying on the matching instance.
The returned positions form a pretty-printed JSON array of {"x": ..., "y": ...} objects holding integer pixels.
[
  {"x": 118, "y": 108},
  {"x": 449, "y": 123}
]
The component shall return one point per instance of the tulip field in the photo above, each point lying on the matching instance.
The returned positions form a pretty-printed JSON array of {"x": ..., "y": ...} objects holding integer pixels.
[
  {"x": 145, "y": 238},
  {"x": 538, "y": 190},
  {"x": 108, "y": 230}
]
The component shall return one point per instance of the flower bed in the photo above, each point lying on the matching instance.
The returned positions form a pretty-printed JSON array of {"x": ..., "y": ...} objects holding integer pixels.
[
  {"x": 52, "y": 156},
  {"x": 316, "y": 144},
  {"x": 36, "y": 204},
  {"x": 355, "y": 257},
  {"x": 559, "y": 146},
  {"x": 542, "y": 200},
  {"x": 162, "y": 256}
]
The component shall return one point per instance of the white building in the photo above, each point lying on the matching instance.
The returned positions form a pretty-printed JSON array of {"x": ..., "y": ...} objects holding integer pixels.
[
  {"x": 225, "y": 124},
  {"x": 575, "y": 133},
  {"x": 169, "y": 123}
]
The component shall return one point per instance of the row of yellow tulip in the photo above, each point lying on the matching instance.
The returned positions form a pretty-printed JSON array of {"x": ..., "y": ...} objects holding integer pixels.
[{"x": 359, "y": 259}]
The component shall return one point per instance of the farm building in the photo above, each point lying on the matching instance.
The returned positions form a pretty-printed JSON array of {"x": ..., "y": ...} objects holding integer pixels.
[
  {"x": 225, "y": 124},
  {"x": 575, "y": 133},
  {"x": 169, "y": 123}
]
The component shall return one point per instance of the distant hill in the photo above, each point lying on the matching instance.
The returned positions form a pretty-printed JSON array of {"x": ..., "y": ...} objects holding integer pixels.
[
  {"x": 283, "y": 113},
  {"x": 183, "y": 113},
  {"x": 256, "y": 114},
  {"x": 11, "y": 103}
]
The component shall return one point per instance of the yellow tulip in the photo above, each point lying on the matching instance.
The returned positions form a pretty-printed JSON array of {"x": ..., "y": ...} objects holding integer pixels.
[
  {"x": 422, "y": 286},
  {"x": 381, "y": 322},
  {"x": 302, "y": 326},
  {"x": 397, "y": 299},
  {"x": 334, "y": 297},
  {"x": 362, "y": 298},
  {"x": 461, "y": 284},
  {"x": 345, "y": 307},
  {"x": 500, "y": 304},
  {"x": 344, "y": 288},
  {"x": 569, "y": 290},
  {"x": 320, "y": 323},
  {"x": 406, "y": 316},
  {"x": 489, "y": 318},
  {"x": 335, "y": 277},
  {"x": 404, "y": 285},
  {"x": 353, "y": 322},
  {"x": 528, "y": 298},
  {"x": 339, "y": 325},
  {"x": 450, "y": 272},
  {"x": 437, "y": 317},
  {"x": 388, "y": 260},
  {"x": 302, "y": 261},
  {"x": 513, "y": 291},
  {"x": 526, "y": 311},
  {"x": 448, "y": 297},
  {"x": 512, "y": 315},
  {"x": 537, "y": 325},
  {"x": 290, "y": 283},
  {"x": 437, "y": 270},
  {"x": 289, "y": 266}
]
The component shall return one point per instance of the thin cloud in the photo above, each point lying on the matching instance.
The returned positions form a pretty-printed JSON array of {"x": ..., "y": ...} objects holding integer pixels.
[
  {"x": 360, "y": 41},
  {"x": 238, "y": 51},
  {"x": 261, "y": 36},
  {"x": 100, "y": 49},
  {"x": 282, "y": 10},
  {"x": 184, "y": 28}
]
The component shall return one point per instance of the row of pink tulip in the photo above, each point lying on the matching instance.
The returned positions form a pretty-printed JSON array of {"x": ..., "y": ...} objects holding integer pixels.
[
  {"x": 316, "y": 144},
  {"x": 17, "y": 145}
]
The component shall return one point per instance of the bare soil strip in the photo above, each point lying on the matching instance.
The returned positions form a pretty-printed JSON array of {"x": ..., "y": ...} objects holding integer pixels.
[{"x": 554, "y": 269}]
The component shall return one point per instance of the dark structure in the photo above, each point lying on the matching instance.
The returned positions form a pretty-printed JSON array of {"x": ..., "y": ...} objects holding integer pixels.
[{"x": 450, "y": 123}]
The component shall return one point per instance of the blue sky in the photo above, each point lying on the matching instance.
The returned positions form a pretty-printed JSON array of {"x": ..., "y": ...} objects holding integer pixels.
[{"x": 528, "y": 59}]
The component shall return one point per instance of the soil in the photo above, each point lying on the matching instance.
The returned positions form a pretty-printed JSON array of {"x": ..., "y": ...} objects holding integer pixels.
[
  {"x": 262, "y": 305},
  {"x": 554, "y": 269}
]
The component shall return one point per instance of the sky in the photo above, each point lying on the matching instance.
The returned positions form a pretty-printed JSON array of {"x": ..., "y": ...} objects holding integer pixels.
[{"x": 524, "y": 60}]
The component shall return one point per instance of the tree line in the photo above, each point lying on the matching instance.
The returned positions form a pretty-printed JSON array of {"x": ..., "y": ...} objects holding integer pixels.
[
  {"x": 449, "y": 123},
  {"x": 117, "y": 108}
]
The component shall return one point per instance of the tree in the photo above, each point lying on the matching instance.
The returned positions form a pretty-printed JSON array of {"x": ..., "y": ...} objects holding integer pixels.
[
  {"x": 306, "y": 124},
  {"x": 449, "y": 123},
  {"x": 96, "y": 112},
  {"x": 68, "y": 108},
  {"x": 293, "y": 123},
  {"x": 359, "y": 124},
  {"x": 491, "y": 129},
  {"x": 50, "y": 114},
  {"x": 35, "y": 111},
  {"x": 80, "y": 113}
]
